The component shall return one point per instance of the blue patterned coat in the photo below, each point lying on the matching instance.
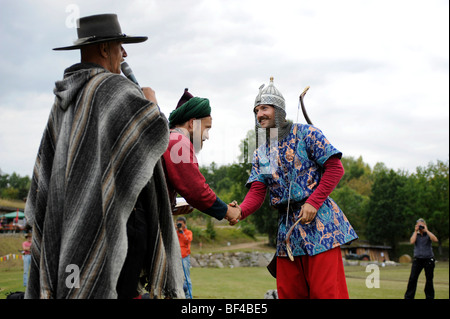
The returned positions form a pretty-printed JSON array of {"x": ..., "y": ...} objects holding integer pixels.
[{"x": 299, "y": 158}]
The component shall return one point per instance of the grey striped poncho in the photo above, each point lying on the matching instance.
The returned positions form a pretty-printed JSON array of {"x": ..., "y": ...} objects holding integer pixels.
[{"x": 101, "y": 146}]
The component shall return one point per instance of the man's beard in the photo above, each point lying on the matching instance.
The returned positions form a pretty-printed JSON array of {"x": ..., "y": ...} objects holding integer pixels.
[{"x": 198, "y": 143}]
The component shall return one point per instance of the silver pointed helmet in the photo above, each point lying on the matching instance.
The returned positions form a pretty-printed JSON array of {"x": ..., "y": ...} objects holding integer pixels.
[{"x": 271, "y": 96}]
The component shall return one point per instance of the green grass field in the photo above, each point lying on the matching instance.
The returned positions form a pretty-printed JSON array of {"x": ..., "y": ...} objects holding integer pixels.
[{"x": 253, "y": 282}]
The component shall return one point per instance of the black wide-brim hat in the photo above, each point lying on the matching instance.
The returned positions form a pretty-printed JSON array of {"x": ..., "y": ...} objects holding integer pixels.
[{"x": 100, "y": 28}]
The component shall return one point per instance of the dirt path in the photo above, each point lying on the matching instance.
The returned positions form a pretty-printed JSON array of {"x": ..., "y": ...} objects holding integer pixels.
[{"x": 254, "y": 245}]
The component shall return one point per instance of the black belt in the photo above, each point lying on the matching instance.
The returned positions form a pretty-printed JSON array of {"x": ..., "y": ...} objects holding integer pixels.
[{"x": 293, "y": 206}]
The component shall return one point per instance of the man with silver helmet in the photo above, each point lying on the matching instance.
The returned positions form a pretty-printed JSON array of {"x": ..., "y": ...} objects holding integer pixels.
[{"x": 300, "y": 167}]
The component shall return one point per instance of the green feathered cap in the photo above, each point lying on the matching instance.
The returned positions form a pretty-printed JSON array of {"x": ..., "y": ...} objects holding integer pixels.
[{"x": 195, "y": 107}]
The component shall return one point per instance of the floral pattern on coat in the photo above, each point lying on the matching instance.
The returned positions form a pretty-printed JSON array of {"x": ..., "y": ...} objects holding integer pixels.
[{"x": 298, "y": 159}]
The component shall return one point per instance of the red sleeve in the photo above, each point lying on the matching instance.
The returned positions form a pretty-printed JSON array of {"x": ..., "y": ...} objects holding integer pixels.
[
  {"x": 254, "y": 199},
  {"x": 184, "y": 175},
  {"x": 330, "y": 178}
]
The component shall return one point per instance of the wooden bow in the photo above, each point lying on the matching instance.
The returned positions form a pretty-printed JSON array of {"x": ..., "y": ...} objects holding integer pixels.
[
  {"x": 303, "y": 105},
  {"x": 288, "y": 235}
]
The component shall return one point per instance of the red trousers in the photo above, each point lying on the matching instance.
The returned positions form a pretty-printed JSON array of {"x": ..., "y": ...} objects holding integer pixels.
[{"x": 312, "y": 277}]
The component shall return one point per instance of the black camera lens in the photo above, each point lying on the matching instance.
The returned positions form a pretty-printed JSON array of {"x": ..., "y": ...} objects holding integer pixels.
[
  {"x": 179, "y": 225},
  {"x": 421, "y": 227}
]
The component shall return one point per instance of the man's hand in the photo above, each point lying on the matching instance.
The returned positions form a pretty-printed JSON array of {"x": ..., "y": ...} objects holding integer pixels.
[
  {"x": 233, "y": 213},
  {"x": 308, "y": 212},
  {"x": 150, "y": 94}
]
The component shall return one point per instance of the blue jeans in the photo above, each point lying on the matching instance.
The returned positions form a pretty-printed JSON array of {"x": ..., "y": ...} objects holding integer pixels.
[
  {"x": 26, "y": 268},
  {"x": 187, "y": 285}
]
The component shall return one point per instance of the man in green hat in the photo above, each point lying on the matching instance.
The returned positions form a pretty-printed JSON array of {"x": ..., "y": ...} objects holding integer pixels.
[{"x": 189, "y": 124}]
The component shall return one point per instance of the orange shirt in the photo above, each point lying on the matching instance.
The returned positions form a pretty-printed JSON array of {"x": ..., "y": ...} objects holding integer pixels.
[{"x": 185, "y": 239}]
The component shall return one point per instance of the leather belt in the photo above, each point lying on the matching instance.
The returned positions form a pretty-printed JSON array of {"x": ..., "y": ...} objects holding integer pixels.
[{"x": 293, "y": 206}]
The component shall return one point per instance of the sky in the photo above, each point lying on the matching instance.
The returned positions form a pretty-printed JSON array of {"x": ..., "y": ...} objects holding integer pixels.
[{"x": 378, "y": 70}]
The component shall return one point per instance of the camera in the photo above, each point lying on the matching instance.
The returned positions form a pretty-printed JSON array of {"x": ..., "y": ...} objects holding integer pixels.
[
  {"x": 421, "y": 227},
  {"x": 179, "y": 225}
]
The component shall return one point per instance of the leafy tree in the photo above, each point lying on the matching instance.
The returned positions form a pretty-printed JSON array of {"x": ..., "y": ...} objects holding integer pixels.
[
  {"x": 354, "y": 168},
  {"x": 4, "y": 181},
  {"x": 385, "y": 220},
  {"x": 14, "y": 186},
  {"x": 210, "y": 231},
  {"x": 10, "y": 193},
  {"x": 353, "y": 204}
]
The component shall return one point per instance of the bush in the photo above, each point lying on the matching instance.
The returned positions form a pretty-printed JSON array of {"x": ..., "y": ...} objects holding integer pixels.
[
  {"x": 248, "y": 229},
  {"x": 10, "y": 193},
  {"x": 210, "y": 229}
]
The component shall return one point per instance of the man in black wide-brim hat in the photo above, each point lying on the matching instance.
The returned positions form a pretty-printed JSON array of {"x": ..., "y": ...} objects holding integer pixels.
[{"x": 98, "y": 201}]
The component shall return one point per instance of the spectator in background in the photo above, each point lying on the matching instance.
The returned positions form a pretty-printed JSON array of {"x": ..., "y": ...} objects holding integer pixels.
[
  {"x": 185, "y": 239},
  {"x": 423, "y": 258},
  {"x": 26, "y": 246}
]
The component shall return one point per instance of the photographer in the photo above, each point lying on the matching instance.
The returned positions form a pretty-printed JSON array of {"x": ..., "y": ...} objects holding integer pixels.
[
  {"x": 185, "y": 239},
  {"x": 423, "y": 258}
]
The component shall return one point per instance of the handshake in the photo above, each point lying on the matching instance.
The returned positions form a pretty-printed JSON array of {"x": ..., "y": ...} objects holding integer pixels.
[{"x": 234, "y": 213}]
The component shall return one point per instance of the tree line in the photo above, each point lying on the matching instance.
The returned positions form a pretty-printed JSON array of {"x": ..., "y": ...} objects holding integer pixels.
[{"x": 14, "y": 186}]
